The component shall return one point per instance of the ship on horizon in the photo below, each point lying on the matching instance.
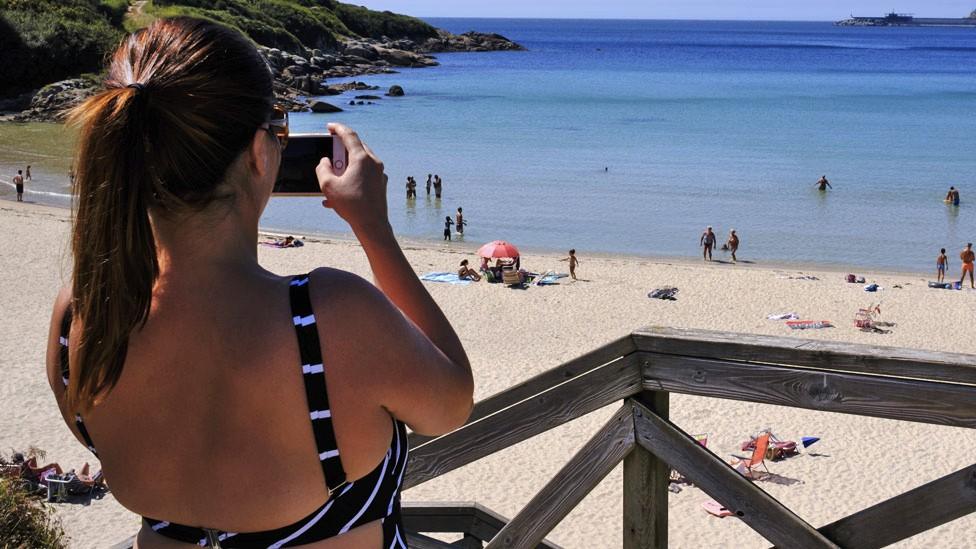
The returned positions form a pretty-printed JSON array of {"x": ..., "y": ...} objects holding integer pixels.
[{"x": 894, "y": 19}]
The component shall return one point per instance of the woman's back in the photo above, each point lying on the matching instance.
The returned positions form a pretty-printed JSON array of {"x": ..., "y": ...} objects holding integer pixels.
[{"x": 228, "y": 404}]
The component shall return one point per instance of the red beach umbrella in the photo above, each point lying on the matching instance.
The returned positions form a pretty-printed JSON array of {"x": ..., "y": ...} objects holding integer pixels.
[{"x": 498, "y": 248}]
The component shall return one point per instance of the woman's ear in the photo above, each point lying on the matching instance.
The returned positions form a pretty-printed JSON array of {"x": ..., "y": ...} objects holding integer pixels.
[{"x": 260, "y": 153}]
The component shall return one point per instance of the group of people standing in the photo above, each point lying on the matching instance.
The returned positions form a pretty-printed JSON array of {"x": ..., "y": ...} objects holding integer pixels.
[
  {"x": 433, "y": 182},
  {"x": 709, "y": 239},
  {"x": 968, "y": 258}
]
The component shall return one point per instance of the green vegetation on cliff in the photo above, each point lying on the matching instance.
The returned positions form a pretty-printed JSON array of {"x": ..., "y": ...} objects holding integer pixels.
[{"x": 42, "y": 41}]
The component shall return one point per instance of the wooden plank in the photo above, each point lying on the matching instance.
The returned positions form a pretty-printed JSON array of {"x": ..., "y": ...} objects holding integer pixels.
[
  {"x": 466, "y": 517},
  {"x": 646, "y": 482},
  {"x": 571, "y": 484},
  {"x": 556, "y": 406},
  {"x": 893, "y": 398},
  {"x": 827, "y": 355},
  {"x": 903, "y": 516},
  {"x": 537, "y": 384},
  {"x": 750, "y": 503},
  {"x": 127, "y": 544},
  {"x": 420, "y": 541}
]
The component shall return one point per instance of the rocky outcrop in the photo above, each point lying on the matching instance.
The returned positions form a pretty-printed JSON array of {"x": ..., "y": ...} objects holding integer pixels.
[
  {"x": 323, "y": 107},
  {"x": 52, "y": 102},
  {"x": 469, "y": 41},
  {"x": 297, "y": 78}
]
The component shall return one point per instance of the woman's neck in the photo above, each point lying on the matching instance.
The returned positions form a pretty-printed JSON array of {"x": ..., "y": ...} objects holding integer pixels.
[{"x": 198, "y": 247}]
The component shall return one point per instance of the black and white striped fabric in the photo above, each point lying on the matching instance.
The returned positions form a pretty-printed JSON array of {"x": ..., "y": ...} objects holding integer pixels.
[{"x": 373, "y": 497}]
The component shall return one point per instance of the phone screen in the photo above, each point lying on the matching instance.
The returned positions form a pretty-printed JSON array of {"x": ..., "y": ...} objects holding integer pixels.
[{"x": 296, "y": 175}]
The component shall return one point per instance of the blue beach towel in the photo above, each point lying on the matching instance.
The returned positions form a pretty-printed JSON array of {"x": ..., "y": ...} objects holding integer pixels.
[{"x": 450, "y": 278}]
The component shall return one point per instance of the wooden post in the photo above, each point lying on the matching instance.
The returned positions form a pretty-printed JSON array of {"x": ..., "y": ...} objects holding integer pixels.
[{"x": 646, "y": 480}]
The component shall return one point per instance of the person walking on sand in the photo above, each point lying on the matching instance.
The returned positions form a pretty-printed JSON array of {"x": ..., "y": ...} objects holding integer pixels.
[
  {"x": 437, "y": 186},
  {"x": 19, "y": 184},
  {"x": 707, "y": 241},
  {"x": 71, "y": 174},
  {"x": 447, "y": 228},
  {"x": 573, "y": 262},
  {"x": 952, "y": 197},
  {"x": 968, "y": 256},
  {"x": 733, "y": 243},
  {"x": 459, "y": 222},
  {"x": 467, "y": 273},
  {"x": 429, "y": 176},
  {"x": 822, "y": 184},
  {"x": 27, "y": 174}
]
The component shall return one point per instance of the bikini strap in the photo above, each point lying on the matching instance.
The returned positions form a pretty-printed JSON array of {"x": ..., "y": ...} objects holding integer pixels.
[
  {"x": 313, "y": 374},
  {"x": 63, "y": 356}
]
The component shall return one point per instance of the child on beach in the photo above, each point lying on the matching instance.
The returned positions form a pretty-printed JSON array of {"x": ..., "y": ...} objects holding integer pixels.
[
  {"x": 941, "y": 264},
  {"x": 27, "y": 174},
  {"x": 573, "y": 262},
  {"x": 447, "y": 227}
]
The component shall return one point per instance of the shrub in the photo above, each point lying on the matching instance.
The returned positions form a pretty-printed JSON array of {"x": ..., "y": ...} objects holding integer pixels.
[{"x": 25, "y": 521}]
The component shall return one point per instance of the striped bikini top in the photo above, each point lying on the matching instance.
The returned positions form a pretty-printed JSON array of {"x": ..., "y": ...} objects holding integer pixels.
[{"x": 351, "y": 503}]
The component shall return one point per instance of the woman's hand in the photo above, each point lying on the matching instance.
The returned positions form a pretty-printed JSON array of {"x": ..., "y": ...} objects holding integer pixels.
[{"x": 359, "y": 195}]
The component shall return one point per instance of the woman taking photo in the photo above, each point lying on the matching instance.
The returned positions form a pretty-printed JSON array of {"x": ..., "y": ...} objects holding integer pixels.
[{"x": 230, "y": 406}]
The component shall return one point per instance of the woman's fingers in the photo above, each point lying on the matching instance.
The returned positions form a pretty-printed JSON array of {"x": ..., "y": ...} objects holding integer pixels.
[{"x": 348, "y": 137}]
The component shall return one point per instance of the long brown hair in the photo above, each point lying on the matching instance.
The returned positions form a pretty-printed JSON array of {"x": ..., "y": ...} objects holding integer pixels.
[{"x": 182, "y": 101}]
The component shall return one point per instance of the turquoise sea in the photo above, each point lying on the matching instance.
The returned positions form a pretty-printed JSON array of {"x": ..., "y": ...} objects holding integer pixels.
[{"x": 632, "y": 136}]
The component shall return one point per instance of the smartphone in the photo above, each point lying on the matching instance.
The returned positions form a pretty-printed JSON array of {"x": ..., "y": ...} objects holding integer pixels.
[{"x": 296, "y": 175}]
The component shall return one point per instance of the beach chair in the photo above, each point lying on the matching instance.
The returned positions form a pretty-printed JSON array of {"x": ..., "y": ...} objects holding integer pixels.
[
  {"x": 511, "y": 277},
  {"x": 750, "y": 464}
]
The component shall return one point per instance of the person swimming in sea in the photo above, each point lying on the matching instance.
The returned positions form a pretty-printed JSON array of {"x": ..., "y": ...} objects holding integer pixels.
[{"x": 822, "y": 183}]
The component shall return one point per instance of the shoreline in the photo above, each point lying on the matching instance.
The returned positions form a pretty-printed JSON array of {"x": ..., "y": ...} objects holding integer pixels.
[{"x": 464, "y": 248}]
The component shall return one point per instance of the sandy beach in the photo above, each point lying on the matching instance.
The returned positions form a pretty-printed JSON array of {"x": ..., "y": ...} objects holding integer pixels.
[{"x": 859, "y": 461}]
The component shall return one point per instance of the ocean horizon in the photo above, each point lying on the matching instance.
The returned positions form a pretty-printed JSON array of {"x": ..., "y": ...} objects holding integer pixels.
[{"x": 632, "y": 136}]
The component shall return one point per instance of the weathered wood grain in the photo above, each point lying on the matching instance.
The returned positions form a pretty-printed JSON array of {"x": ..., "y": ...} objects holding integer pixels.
[
  {"x": 750, "y": 503},
  {"x": 571, "y": 484},
  {"x": 645, "y": 490},
  {"x": 827, "y": 355},
  {"x": 567, "y": 401},
  {"x": 905, "y": 515},
  {"x": 869, "y": 395},
  {"x": 420, "y": 541},
  {"x": 550, "y": 378},
  {"x": 468, "y": 518}
]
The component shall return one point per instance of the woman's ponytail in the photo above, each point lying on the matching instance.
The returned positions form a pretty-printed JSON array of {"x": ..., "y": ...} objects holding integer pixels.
[
  {"x": 114, "y": 250},
  {"x": 184, "y": 97}
]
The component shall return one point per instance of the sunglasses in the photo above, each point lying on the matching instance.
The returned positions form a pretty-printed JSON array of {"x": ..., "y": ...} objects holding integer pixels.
[{"x": 278, "y": 125}]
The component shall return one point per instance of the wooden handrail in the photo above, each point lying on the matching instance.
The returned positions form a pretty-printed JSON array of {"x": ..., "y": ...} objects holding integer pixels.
[{"x": 900, "y": 384}]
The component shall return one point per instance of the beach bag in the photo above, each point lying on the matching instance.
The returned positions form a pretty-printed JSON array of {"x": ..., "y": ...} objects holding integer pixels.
[{"x": 851, "y": 278}]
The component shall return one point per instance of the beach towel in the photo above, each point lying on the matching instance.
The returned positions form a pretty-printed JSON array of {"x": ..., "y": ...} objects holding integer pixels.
[
  {"x": 808, "y": 324},
  {"x": 940, "y": 285},
  {"x": 783, "y": 316},
  {"x": 449, "y": 278}
]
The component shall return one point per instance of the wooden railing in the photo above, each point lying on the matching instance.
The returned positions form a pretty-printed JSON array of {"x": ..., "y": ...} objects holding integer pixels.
[{"x": 640, "y": 371}]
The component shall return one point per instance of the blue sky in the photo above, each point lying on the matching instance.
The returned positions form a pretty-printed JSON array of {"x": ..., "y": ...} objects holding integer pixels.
[{"x": 791, "y": 10}]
